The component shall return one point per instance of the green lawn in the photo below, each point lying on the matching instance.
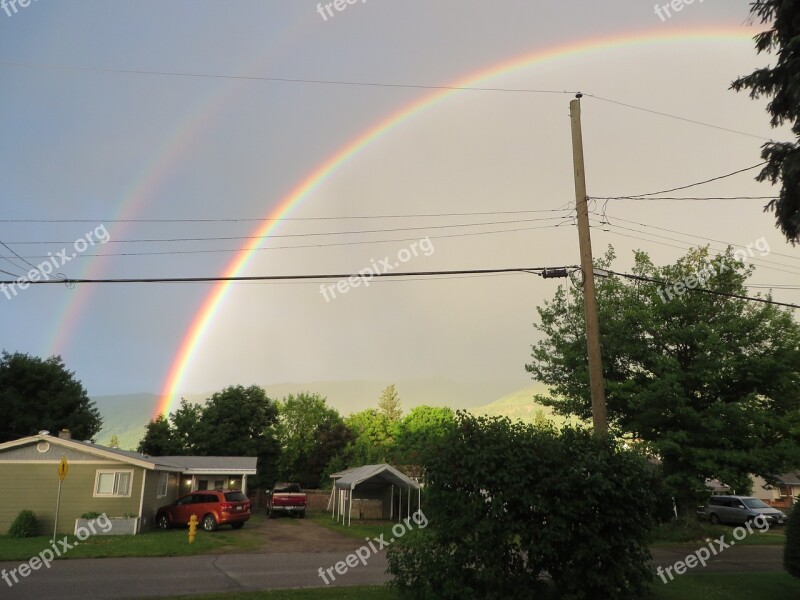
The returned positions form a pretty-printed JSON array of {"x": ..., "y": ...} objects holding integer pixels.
[
  {"x": 174, "y": 542},
  {"x": 758, "y": 586},
  {"x": 686, "y": 532},
  {"x": 374, "y": 592},
  {"x": 733, "y": 586}
]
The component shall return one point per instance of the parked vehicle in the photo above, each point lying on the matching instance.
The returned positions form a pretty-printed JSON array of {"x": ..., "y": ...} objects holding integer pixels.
[
  {"x": 213, "y": 508},
  {"x": 287, "y": 498},
  {"x": 741, "y": 509}
]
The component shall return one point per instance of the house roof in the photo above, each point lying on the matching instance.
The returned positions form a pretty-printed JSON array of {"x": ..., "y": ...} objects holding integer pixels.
[
  {"x": 244, "y": 465},
  {"x": 789, "y": 479},
  {"x": 349, "y": 479},
  {"x": 235, "y": 465}
]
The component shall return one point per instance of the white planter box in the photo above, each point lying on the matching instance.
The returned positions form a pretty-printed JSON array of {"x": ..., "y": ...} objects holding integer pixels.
[{"x": 119, "y": 526}]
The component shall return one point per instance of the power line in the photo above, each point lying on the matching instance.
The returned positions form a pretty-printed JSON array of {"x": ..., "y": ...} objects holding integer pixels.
[
  {"x": 295, "y": 235},
  {"x": 700, "y": 237},
  {"x": 704, "y": 290},
  {"x": 185, "y": 74},
  {"x": 15, "y": 254},
  {"x": 265, "y": 219},
  {"x": 678, "y": 198},
  {"x": 336, "y": 276},
  {"x": 683, "y": 187},
  {"x": 767, "y": 264},
  {"x": 670, "y": 116},
  {"x": 327, "y": 245}
]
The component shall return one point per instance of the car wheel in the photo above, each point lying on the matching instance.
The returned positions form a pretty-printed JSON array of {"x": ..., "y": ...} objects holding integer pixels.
[
  {"x": 209, "y": 523},
  {"x": 714, "y": 519},
  {"x": 302, "y": 514},
  {"x": 163, "y": 522},
  {"x": 237, "y": 525},
  {"x": 271, "y": 514}
]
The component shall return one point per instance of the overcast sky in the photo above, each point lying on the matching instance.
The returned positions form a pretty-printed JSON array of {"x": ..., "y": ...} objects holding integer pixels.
[{"x": 91, "y": 133}]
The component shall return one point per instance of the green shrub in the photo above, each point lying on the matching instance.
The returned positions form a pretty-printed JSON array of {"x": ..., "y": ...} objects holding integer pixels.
[
  {"x": 508, "y": 502},
  {"x": 24, "y": 526},
  {"x": 90, "y": 515},
  {"x": 791, "y": 551}
]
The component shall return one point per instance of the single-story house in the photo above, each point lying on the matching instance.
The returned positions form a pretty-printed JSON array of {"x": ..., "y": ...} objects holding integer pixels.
[
  {"x": 372, "y": 492},
  {"x": 782, "y": 495},
  {"x": 103, "y": 480}
]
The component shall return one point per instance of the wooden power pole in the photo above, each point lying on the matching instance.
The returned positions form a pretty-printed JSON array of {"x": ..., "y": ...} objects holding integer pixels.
[{"x": 599, "y": 415}]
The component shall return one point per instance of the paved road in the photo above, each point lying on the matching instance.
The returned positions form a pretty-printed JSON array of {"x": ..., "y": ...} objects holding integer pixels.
[
  {"x": 114, "y": 578},
  {"x": 736, "y": 559}
]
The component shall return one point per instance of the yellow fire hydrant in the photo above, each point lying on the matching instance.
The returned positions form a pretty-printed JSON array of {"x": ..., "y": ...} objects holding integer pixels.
[{"x": 192, "y": 528}]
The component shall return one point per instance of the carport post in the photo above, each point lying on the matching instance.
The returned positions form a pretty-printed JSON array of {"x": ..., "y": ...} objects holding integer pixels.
[
  {"x": 419, "y": 498},
  {"x": 400, "y": 503},
  {"x": 350, "y": 512},
  {"x": 408, "y": 506},
  {"x": 391, "y": 504}
]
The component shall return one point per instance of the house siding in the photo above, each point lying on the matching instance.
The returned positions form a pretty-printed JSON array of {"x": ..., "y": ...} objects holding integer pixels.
[{"x": 36, "y": 486}]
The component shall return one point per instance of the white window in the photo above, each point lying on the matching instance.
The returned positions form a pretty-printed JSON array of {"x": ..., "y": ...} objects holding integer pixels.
[
  {"x": 163, "y": 482},
  {"x": 113, "y": 484}
]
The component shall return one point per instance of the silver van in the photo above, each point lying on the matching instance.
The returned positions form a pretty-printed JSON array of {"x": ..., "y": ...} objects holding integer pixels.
[{"x": 741, "y": 509}]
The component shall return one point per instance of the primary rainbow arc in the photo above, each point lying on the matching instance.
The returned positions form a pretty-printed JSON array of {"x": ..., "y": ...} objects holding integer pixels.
[{"x": 317, "y": 177}]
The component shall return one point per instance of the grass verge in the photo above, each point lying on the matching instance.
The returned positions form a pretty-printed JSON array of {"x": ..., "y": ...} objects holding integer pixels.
[
  {"x": 174, "y": 542},
  {"x": 692, "y": 531},
  {"x": 729, "y": 586},
  {"x": 372, "y": 592},
  {"x": 713, "y": 586}
]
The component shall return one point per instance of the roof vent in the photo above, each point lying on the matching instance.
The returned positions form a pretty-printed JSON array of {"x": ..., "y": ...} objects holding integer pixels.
[
  {"x": 65, "y": 434},
  {"x": 44, "y": 432}
]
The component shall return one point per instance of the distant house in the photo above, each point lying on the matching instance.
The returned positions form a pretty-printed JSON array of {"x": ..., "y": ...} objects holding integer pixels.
[
  {"x": 104, "y": 480},
  {"x": 783, "y": 494}
]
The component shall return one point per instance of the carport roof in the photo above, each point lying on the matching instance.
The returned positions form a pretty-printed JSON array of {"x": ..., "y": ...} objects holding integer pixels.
[{"x": 349, "y": 479}]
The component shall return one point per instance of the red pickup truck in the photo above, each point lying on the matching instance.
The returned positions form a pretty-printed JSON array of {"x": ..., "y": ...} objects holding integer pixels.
[{"x": 287, "y": 498}]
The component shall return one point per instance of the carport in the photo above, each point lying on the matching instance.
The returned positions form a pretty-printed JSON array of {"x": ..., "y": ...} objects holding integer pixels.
[{"x": 374, "y": 478}]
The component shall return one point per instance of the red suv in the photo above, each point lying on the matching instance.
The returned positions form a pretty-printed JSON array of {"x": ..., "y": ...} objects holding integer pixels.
[{"x": 212, "y": 509}]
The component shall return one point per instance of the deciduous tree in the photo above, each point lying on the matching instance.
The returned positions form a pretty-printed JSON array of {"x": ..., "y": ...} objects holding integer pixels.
[{"x": 709, "y": 382}]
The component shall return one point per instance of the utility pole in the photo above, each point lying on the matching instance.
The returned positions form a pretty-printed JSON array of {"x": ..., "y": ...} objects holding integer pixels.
[{"x": 599, "y": 415}]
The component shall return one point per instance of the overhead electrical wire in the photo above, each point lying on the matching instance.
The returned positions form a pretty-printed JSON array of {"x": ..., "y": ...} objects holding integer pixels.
[
  {"x": 265, "y": 219},
  {"x": 679, "y": 198},
  {"x": 700, "y": 237},
  {"x": 296, "y": 235},
  {"x": 670, "y": 116},
  {"x": 567, "y": 222},
  {"x": 704, "y": 290},
  {"x": 334, "y": 82},
  {"x": 328, "y": 276},
  {"x": 683, "y": 187}
]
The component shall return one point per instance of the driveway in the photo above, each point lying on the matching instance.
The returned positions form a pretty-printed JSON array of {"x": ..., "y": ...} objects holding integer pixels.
[
  {"x": 737, "y": 559},
  {"x": 288, "y": 534}
]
